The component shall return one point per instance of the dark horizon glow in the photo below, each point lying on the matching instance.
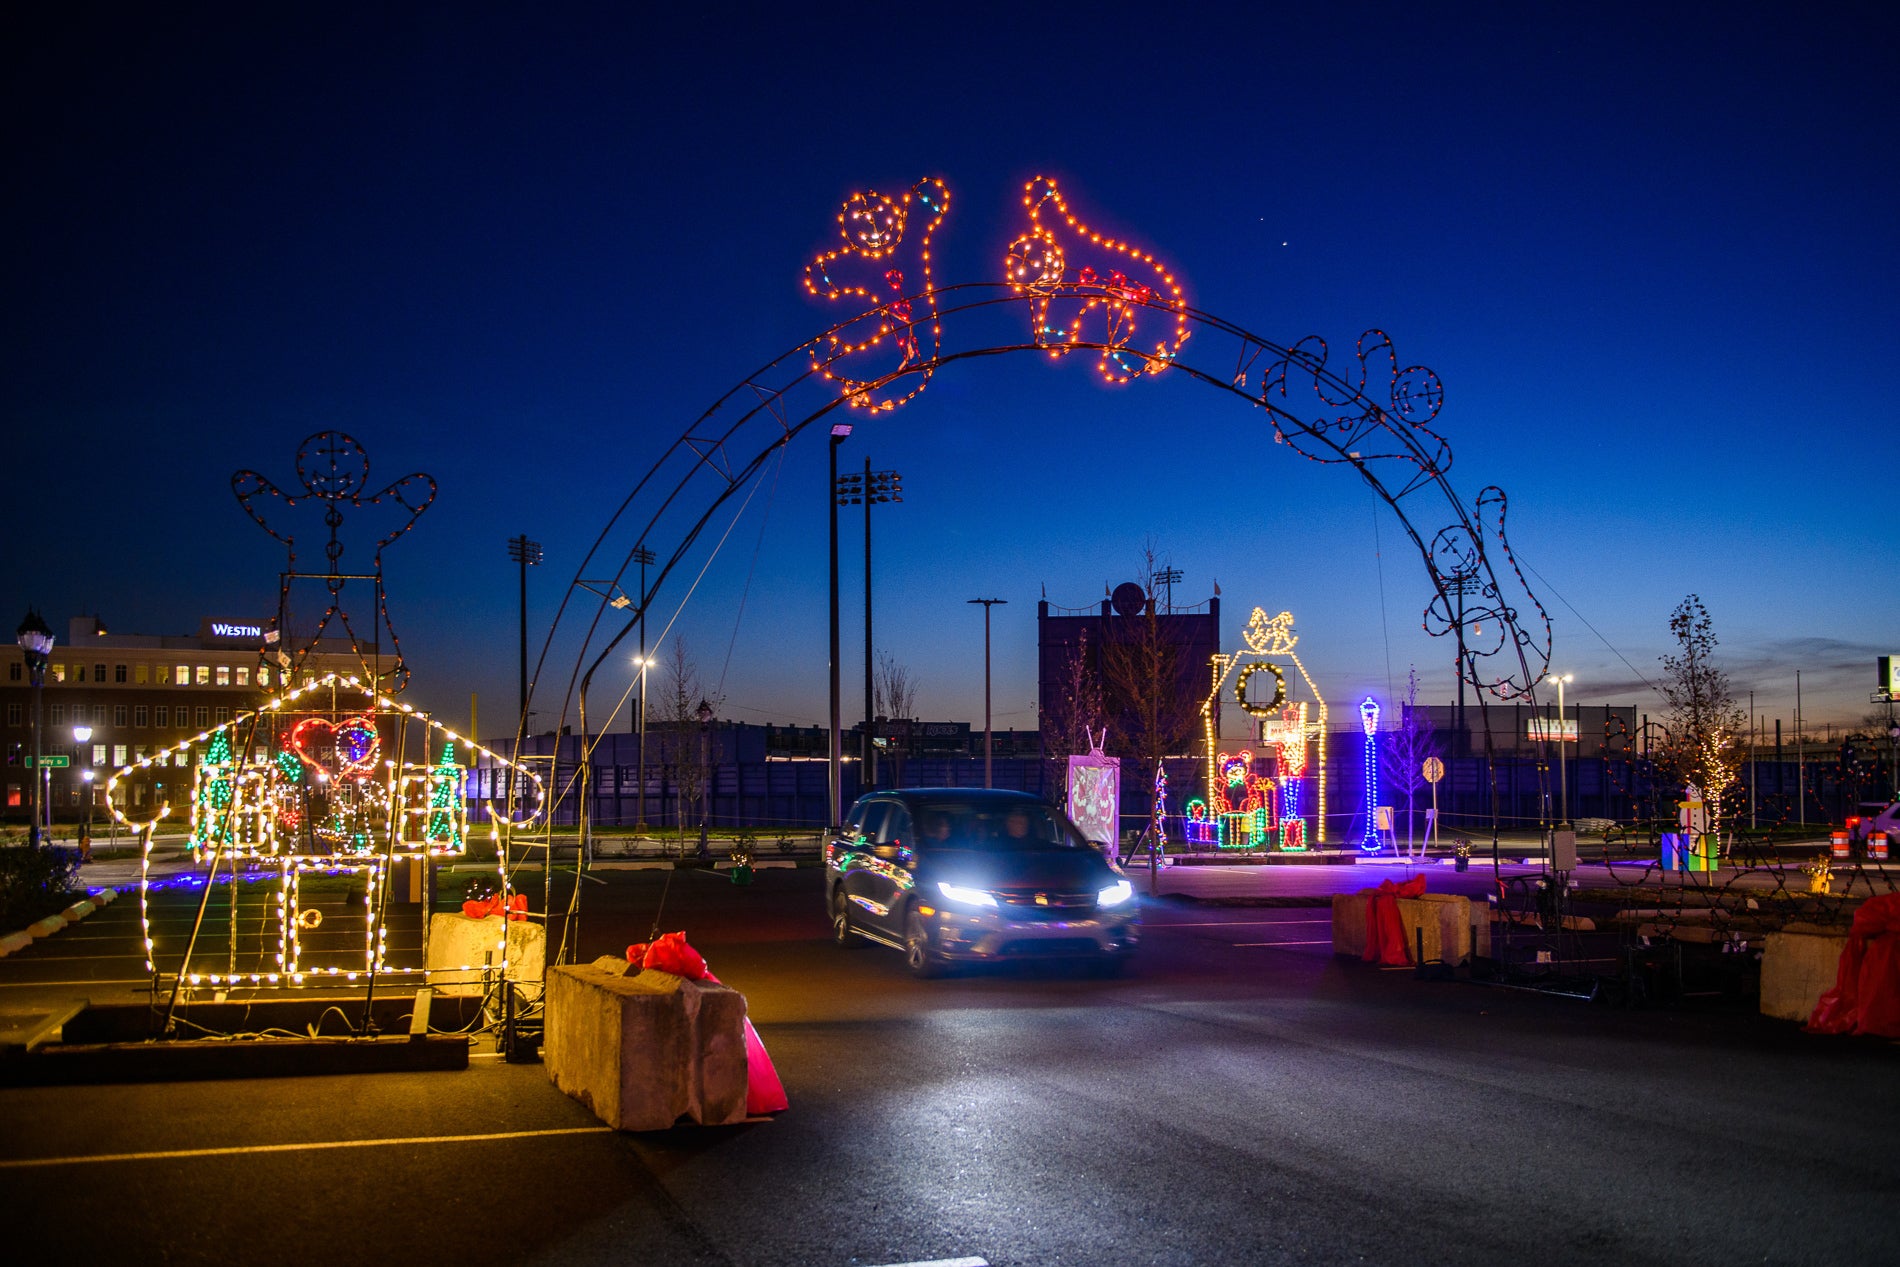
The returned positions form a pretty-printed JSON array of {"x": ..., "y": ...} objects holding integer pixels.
[{"x": 1649, "y": 254}]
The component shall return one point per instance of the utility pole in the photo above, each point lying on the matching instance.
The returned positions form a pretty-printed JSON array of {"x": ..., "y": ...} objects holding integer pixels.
[
  {"x": 527, "y": 554},
  {"x": 989, "y": 744},
  {"x": 839, "y": 432}
]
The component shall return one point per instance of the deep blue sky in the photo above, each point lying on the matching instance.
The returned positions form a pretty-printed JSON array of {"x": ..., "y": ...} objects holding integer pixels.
[{"x": 1648, "y": 249}]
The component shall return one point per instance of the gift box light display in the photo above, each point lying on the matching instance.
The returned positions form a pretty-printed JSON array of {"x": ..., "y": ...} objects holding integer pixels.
[{"x": 313, "y": 783}]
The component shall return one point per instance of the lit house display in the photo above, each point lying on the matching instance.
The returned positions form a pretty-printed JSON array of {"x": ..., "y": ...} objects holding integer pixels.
[
  {"x": 1256, "y": 801},
  {"x": 318, "y": 781}
]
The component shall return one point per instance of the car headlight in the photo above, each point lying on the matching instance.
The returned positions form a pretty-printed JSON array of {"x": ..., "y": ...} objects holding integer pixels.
[
  {"x": 1115, "y": 894},
  {"x": 967, "y": 896}
]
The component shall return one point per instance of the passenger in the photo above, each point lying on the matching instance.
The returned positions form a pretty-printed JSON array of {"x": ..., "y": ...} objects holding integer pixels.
[
  {"x": 1016, "y": 828},
  {"x": 936, "y": 828}
]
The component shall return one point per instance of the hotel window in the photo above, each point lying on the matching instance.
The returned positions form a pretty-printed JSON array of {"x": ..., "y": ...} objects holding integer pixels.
[
  {"x": 118, "y": 673},
  {"x": 221, "y": 716},
  {"x": 13, "y": 671},
  {"x": 244, "y": 675},
  {"x": 13, "y": 714},
  {"x": 98, "y": 672},
  {"x": 204, "y": 716},
  {"x": 140, "y": 752},
  {"x": 141, "y": 673},
  {"x": 224, "y": 675},
  {"x": 162, "y": 717},
  {"x": 99, "y": 754},
  {"x": 204, "y": 675},
  {"x": 58, "y": 714},
  {"x": 140, "y": 716},
  {"x": 164, "y": 675},
  {"x": 118, "y": 715},
  {"x": 98, "y": 714},
  {"x": 263, "y": 676},
  {"x": 59, "y": 673},
  {"x": 184, "y": 675},
  {"x": 118, "y": 754}
]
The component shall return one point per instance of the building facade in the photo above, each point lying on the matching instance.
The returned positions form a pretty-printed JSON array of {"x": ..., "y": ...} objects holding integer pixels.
[{"x": 137, "y": 695}]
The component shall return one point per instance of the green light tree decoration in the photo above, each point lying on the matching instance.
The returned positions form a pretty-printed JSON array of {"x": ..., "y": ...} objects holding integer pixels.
[{"x": 442, "y": 781}]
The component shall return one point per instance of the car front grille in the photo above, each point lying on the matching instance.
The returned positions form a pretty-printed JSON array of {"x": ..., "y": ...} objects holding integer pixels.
[{"x": 1028, "y": 905}]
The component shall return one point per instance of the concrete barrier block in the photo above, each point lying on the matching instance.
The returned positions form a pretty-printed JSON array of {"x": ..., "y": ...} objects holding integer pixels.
[
  {"x": 77, "y": 911},
  {"x": 48, "y": 926},
  {"x": 1349, "y": 924},
  {"x": 1796, "y": 969},
  {"x": 643, "y": 1050},
  {"x": 458, "y": 946},
  {"x": 16, "y": 941},
  {"x": 1445, "y": 921}
]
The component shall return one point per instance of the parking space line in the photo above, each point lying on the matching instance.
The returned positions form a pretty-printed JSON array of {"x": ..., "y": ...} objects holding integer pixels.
[
  {"x": 944, "y": 1262},
  {"x": 1324, "y": 941},
  {"x": 1151, "y": 926},
  {"x": 27, "y": 1163}
]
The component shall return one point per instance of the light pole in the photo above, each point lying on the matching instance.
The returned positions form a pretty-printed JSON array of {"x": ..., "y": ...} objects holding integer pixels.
[
  {"x": 81, "y": 736},
  {"x": 988, "y": 739},
  {"x": 839, "y": 431},
  {"x": 642, "y": 556},
  {"x": 705, "y": 714},
  {"x": 870, "y": 488},
  {"x": 528, "y": 554},
  {"x": 640, "y": 745},
  {"x": 36, "y": 643},
  {"x": 1563, "y": 778}
]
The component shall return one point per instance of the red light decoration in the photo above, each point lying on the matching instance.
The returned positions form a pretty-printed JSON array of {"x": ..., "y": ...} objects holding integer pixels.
[
  {"x": 882, "y": 239},
  {"x": 1075, "y": 272}
]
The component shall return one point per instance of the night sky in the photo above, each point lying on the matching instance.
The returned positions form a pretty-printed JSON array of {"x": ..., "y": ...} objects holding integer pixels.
[{"x": 1648, "y": 249}]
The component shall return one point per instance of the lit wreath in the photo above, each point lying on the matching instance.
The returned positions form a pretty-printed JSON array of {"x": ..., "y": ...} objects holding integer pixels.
[{"x": 1279, "y": 688}]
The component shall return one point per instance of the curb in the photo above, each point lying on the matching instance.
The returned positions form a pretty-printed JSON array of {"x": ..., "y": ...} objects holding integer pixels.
[{"x": 25, "y": 937}]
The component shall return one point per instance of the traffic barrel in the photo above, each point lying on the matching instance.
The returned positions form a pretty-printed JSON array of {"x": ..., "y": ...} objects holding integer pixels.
[
  {"x": 1877, "y": 846},
  {"x": 1839, "y": 842}
]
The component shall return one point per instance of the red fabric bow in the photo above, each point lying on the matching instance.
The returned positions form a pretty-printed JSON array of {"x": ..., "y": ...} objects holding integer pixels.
[
  {"x": 1866, "y": 994},
  {"x": 516, "y": 909},
  {"x": 764, "y": 1093},
  {"x": 1385, "y": 931}
]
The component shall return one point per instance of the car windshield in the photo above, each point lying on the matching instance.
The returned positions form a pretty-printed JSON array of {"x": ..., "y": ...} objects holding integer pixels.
[{"x": 990, "y": 825}]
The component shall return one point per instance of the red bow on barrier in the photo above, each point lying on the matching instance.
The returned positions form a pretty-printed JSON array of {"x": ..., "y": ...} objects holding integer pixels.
[
  {"x": 1866, "y": 994},
  {"x": 1385, "y": 931},
  {"x": 669, "y": 952},
  {"x": 517, "y": 907}
]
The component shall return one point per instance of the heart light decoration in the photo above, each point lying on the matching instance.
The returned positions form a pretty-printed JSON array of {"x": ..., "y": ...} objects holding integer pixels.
[{"x": 336, "y": 748}]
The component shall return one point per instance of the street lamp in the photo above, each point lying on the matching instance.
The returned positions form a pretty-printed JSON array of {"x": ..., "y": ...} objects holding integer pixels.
[
  {"x": 81, "y": 736},
  {"x": 644, "y": 664},
  {"x": 870, "y": 488},
  {"x": 988, "y": 740},
  {"x": 36, "y": 643},
  {"x": 839, "y": 432},
  {"x": 705, "y": 714},
  {"x": 1563, "y": 779}
]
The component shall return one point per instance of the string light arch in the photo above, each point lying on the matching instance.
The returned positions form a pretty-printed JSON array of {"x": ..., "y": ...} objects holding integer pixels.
[{"x": 1065, "y": 288}]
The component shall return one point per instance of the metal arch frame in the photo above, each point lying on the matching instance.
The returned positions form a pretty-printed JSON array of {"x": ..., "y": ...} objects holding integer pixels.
[{"x": 718, "y": 446}]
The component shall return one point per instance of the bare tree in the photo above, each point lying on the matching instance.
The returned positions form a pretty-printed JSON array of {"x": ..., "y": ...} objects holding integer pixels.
[
  {"x": 895, "y": 693},
  {"x": 1404, "y": 750},
  {"x": 1705, "y": 725},
  {"x": 1068, "y": 717},
  {"x": 1150, "y": 702},
  {"x": 679, "y": 714}
]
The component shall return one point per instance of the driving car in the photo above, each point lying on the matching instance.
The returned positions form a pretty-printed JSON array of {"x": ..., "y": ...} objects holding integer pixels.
[{"x": 971, "y": 875}]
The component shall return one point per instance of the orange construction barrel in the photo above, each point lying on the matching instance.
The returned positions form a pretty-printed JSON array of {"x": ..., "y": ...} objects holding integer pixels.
[
  {"x": 1877, "y": 846},
  {"x": 1839, "y": 842}
]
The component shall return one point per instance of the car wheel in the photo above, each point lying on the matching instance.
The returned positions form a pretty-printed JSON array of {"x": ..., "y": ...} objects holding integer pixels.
[
  {"x": 918, "y": 956},
  {"x": 841, "y": 933}
]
